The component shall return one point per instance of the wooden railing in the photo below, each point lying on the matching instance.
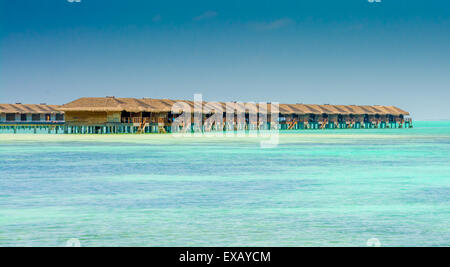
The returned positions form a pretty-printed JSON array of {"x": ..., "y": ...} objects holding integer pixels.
[{"x": 135, "y": 120}]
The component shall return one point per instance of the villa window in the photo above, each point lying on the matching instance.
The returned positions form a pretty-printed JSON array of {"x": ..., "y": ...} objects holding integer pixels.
[
  {"x": 23, "y": 117},
  {"x": 36, "y": 117},
  {"x": 59, "y": 117},
  {"x": 10, "y": 116}
]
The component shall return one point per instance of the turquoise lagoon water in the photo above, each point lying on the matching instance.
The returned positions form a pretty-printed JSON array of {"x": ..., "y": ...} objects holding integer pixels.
[{"x": 316, "y": 188}]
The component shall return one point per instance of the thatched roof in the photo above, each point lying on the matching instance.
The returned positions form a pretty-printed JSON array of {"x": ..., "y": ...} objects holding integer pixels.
[
  {"x": 29, "y": 108},
  {"x": 165, "y": 105}
]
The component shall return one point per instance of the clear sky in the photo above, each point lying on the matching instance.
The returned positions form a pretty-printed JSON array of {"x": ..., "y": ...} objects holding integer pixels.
[{"x": 396, "y": 52}]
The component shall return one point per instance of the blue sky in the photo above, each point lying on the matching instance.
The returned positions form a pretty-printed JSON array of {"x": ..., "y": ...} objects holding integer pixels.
[{"x": 396, "y": 52}]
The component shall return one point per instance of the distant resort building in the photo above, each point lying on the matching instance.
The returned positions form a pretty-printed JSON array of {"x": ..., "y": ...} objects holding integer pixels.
[
  {"x": 93, "y": 115},
  {"x": 31, "y": 117},
  {"x": 147, "y": 115}
]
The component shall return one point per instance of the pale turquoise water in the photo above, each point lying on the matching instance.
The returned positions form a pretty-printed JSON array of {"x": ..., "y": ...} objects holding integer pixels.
[{"x": 317, "y": 188}]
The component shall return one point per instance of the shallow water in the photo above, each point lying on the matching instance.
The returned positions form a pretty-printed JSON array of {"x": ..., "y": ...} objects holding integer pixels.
[{"x": 316, "y": 188}]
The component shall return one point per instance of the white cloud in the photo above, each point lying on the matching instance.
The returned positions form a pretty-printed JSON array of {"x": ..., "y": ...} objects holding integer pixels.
[
  {"x": 272, "y": 25},
  {"x": 208, "y": 14}
]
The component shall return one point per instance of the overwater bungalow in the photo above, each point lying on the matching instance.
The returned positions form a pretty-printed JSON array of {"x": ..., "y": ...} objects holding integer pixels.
[
  {"x": 147, "y": 115},
  {"x": 118, "y": 115},
  {"x": 14, "y": 117}
]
